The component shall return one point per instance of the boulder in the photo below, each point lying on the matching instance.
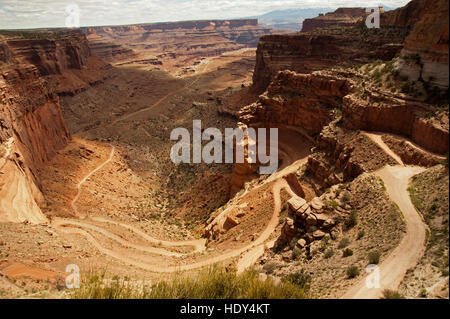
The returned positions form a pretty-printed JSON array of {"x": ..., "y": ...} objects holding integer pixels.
[
  {"x": 318, "y": 234},
  {"x": 301, "y": 243},
  {"x": 316, "y": 203},
  {"x": 295, "y": 203},
  {"x": 311, "y": 220}
]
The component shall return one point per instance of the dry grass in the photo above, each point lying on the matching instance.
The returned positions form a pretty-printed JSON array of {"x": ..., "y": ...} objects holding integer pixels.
[{"x": 212, "y": 283}]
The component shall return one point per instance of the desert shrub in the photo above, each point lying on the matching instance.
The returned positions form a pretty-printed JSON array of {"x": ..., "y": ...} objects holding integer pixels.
[
  {"x": 352, "y": 271},
  {"x": 212, "y": 283},
  {"x": 344, "y": 243},
  {"x": 352, "y": 220},
  {"x": 300, "y": 279},
  {"x": 269, "y": 267},
  {"x": 329, "y": 253},
  {"x": 361, "y": 234},
  {"x": 346, "y": 197},
  {"x": 374, "y": 257},
  {"x": 347, "y": 252},
  {"x": 296, "y": 252},
  {"x": 392, "y": 294}
]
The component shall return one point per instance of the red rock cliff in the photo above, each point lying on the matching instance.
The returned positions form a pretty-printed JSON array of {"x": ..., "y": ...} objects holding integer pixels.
[{"x": 32, "y": 128}]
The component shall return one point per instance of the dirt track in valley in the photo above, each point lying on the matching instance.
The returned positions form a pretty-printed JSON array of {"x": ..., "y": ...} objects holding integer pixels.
[
  {"x": 249, "y": 252},
  {"x": 411, "y": 248}
]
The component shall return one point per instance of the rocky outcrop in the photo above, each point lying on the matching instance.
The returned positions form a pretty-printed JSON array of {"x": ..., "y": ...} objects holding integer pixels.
[
  {"x": 425, "y": 53},
  {"x": 307, "y": 222},
  {"x": 62, "y": 57},
  {"x": 342, "y": 17},
  {"x": 32, "y": 128},
  {"x": 398, "y": 116},
  {"x": 52, "y": 55},
  {"x": 302, "y": 100},
  {"x": 308, "y": 52},
  {"x": 406, "y": 16}
]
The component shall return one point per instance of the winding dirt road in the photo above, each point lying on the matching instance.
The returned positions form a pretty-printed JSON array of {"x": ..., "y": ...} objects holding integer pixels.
[
  {"x": 411, "y": 248},
  {"x": 72, "y": 203},
  {"x": 249, "y": 252}
]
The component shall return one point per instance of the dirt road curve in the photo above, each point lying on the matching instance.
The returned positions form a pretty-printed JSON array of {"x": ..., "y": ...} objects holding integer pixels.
[
  {"x": 72, "y": 203},
  {"x": 280, "y": 184},
  {"x": 411, "y": 248}
]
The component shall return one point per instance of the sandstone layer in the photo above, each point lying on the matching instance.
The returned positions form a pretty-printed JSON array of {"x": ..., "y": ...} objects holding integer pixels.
[
  {"x": 425, "y": 53},
  {"x": 308, "y": 52},
  {"x": 341, "y": 17},
  {"x": 34, "y": 68},
  {"x": 173, "y": 44}
]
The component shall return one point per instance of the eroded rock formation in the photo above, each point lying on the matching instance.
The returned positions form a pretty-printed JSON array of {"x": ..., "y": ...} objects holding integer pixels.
[
  {"x": 170, "y": 40},
  {"x": 308, "y": 52},
  {"x": 425, "y": 53},
  {"x": 32, "y": 128},
  {"x": 342, "y": 17}
]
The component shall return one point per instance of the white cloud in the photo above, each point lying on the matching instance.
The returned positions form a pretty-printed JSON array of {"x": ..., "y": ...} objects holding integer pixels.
[{"x": 16, "y": 14}]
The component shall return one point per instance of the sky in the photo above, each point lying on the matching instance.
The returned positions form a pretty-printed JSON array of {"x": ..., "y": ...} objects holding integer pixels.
[{"x": 22, "y": 14}]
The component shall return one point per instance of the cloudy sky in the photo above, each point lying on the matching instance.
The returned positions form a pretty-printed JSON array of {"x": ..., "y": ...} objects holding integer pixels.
[{"x": 16, "y": 14}]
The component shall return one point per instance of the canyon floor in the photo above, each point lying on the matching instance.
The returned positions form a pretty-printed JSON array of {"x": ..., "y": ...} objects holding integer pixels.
[{"x": 114, "y": 199}]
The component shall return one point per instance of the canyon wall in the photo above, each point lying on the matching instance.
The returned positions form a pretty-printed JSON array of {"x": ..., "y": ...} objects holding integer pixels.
[
  {"x": 301, "y": 100},
  {"x": 172, "y": 39},
  {"x": 342, "y": 17},
  {"x": 308, "y": 52},
  {"x": 406, "y": 16},
  {"x": 32, "y": 128},
  {"x": 425, "y": 52}
]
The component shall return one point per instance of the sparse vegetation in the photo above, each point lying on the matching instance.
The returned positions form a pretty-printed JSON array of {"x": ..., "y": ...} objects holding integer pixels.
[
  {"x": 352, "y": 220},
  {"x": 347, "y": 252},
  {"x": 213, "y": 283},
  {"x": 392, "y": 294},
  {"x": 344, "y": 243},
  {"x": 374, "y": 257},
  {"x": 352, "y": 271}
]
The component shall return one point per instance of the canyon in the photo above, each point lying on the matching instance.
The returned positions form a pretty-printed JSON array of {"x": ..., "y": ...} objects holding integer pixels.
[{"x": 362, "y": 118}]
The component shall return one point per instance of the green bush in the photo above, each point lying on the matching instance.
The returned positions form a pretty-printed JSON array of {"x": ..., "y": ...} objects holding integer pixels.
[
  {"x": 352, "y": 271},
  {"x": 296, "y": 252},
  {"x": 212, "y": 283},
  {"x": 344, "y": 243},
  {"x": 352, "y": 220},
  {"x": 392, "y": 294},
  {"x": 300, "y": 279},
  {"x": 347, "y": 252},
  {"x": 374, "y": 257},
  {"x": 329, "y": 253},
  {"x": 361, "y": 234}
]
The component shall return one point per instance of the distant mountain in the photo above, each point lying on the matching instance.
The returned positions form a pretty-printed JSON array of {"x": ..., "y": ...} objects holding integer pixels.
[{"x": 291, "y": 19}]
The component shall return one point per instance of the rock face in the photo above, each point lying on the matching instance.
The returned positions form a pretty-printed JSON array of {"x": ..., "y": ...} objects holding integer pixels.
[
  {"x": 308, "y": 52},
  {"x": 32, "y": 128},
  {"x": 341, "y": 17},
  {"x": 384, "y": 116},
  {"x": 406, "y": 16},
  {"x": 62, "y": 57},
  {"x": 301, "y": 100},
  {"x": 188, "y": 39},
  {"x": 425, "y": 53}
]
